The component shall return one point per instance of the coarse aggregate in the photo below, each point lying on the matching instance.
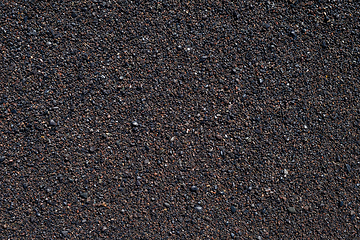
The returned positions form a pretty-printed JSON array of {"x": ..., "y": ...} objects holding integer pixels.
[{"x": 185, "y": 119}]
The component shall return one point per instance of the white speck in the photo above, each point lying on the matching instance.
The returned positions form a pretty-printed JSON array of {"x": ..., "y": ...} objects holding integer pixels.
[
  {"x": 198, "y": 208},
  {"x": 135, "y": 123}
]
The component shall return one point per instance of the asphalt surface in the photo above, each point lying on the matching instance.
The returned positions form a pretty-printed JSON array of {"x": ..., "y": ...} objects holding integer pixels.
[{"x": 179, "y": 119}]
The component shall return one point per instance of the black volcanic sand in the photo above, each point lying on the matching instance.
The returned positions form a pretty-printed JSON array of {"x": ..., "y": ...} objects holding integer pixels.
[{"x": 182, "y": 120}]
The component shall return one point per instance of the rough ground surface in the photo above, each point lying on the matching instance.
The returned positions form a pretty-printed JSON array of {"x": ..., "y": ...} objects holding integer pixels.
[{"x": 179, "y": 120}]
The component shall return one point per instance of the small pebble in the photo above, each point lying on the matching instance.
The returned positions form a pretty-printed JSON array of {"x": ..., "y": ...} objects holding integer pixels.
[
  {"x": 92, "y": 149},
  {"x": 135, "y": 123},
  {"x": 348, "y": 168},
  {"x": 233, "y": 209},
  {"x": 291, "y": 210},
  {"x": 52, "y": 123},
  {"x": 84, "y": 195},
  {"x": 198, "y": 208},
  {"x": 219, "y": 137},
  {"x": 293, "y": 34},
  {"x": 193, "y": 188}
]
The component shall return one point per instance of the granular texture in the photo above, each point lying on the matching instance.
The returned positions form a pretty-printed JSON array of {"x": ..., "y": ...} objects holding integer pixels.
[{"x": 136, "y": 119}]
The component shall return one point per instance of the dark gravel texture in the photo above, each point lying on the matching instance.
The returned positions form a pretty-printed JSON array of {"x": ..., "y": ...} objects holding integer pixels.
[{"x": 179, "y": 119}]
